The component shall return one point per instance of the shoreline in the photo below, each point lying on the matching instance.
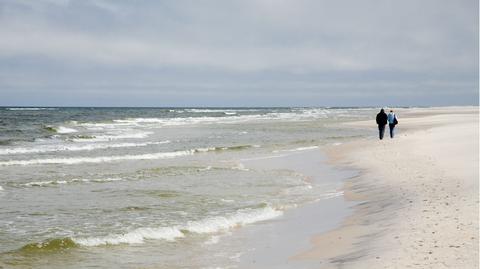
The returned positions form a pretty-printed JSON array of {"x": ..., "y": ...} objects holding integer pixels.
[
  {"x": 419, "y": 210},
  {"x": 270, "y": 244}
]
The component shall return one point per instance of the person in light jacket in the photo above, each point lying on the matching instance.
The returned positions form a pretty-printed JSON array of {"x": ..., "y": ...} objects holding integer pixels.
[{"x": 392, "y": 121}]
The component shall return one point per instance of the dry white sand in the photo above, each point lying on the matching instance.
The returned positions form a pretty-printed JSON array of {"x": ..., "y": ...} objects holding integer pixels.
[{"x": 418, "y": 196}]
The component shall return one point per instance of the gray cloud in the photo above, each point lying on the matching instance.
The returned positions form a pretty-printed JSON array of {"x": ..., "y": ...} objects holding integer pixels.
[{"x": 261, "y": 52}]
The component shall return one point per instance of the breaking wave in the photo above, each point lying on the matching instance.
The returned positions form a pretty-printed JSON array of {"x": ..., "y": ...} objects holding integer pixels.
[
  {"x": 65, "y": 130},
  {"x": 140, "y": 235},
  {"x": 208, "y": 225},
  {"x": 60, "y": 129},
  {"x": 229, "y": 117},
  {"x": 30, "y": 108},
  {"x": 100, "y": 159},
  {"x": 149, "y": 156},
  {"x": 89, "y": 147},
  {"x": 75, "y": 180},
  {"x": 110, "y": 137},
  {"x": 52, "y": 245}
]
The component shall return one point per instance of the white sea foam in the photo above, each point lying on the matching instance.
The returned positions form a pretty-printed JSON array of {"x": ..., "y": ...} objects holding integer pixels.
[
  {"x": 208, "y": 225},
  {"x": 299, "y": 189},
  {"x": 57, "y": 182},
  {"x": 332, "y": 194},
  {"x": 205, "y": 149},
  {"x": 230, "y": 117},
  {"x": 110, "y": 137},
  {"x": 306, "y": 148},
  {"x": 264, "y": 157},
  {"x": 240, "y": 218},
  {"x": 65, "y": 130},
  {"x": 201, "y": 110},
  {"x": 98, "y": 180},
  {"x": 1, "y": 188},
  {"x": 136, "y": 236},
  {"x": 296, "y": 149},
  {"x": 31, "y": 108},
  {"x": 88, "y": 147},
  {"x": 100, "y": 159},
  {"x": 205, "y": 169},
  {"x": 329, "y": 195},
  {"x": 236, "y": 257},
  {"x": 150, "y": 156},
  {"x": 214, "y": 239},
  {"x": 240, "y": 166},
  {"x": 43, "y": 183}
]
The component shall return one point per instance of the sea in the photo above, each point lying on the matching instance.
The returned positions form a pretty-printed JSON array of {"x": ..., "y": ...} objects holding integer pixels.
[{"x": 153, "y": 187}]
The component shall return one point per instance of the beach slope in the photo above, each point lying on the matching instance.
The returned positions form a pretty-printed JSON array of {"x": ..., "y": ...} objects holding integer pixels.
[{"x": 418, "y": 199}]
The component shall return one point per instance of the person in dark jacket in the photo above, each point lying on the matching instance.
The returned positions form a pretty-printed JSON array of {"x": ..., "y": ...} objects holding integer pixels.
[{"x": 382, "y": 120}]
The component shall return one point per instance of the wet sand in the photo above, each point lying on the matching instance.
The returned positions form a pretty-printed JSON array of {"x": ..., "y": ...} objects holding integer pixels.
[
  {"x": 417, "y": 195},
  {"x": 270, "y": 244}
]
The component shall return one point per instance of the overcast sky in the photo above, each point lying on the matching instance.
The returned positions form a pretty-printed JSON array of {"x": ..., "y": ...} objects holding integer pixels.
[{"x": 238, "y": 53}]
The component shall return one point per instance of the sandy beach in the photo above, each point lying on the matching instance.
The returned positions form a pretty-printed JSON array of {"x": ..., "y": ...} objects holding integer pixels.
[{"x": 417, "y": 195}]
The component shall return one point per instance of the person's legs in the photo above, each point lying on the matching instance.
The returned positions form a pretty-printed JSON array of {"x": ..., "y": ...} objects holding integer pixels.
[
  {"x": 381, "y": 131},
  {"x": 391, "y": 126}
]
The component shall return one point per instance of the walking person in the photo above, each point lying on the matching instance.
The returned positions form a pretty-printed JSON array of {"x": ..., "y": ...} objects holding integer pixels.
[
  {"x": 392, "y": 121},
  {"x": 382, "y": 120}
]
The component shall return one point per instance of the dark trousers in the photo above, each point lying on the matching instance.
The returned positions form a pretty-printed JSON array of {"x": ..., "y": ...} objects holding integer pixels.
[
  {"x": 381, "y": 131},
  {"x": 391, "y": 126}
]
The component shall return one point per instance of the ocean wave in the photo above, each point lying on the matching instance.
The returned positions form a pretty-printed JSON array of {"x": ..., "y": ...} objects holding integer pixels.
[
  {"x": 240, "y": 147},
  {"x": 296, "y": 149},
  {"x": 30, "y": 108},
  {"x": 148, "y": 156},
  {"x": 75, "y": 180},
  {"x": 224, "y": 111},
  {"x": 100, "y": 125},
  {"x": 1, "y": 188},
  {"x": 240, "y": 167},
  {"x": 59, "y": 129},
  {"x": 110, "y": 137},
  {"x": 205, "y": 110},
  {"x": 55, "y": 148},
  {"x": 230, "y": 117},
  {"x": 241, "y": 218},
  {"x": 52, "y": 245},
  {"x": 65, "y": 130},
  {"x": 124, "y": 136},
  {"x": 209, "y": 225},
  {"x": 137, "y": 236}
]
